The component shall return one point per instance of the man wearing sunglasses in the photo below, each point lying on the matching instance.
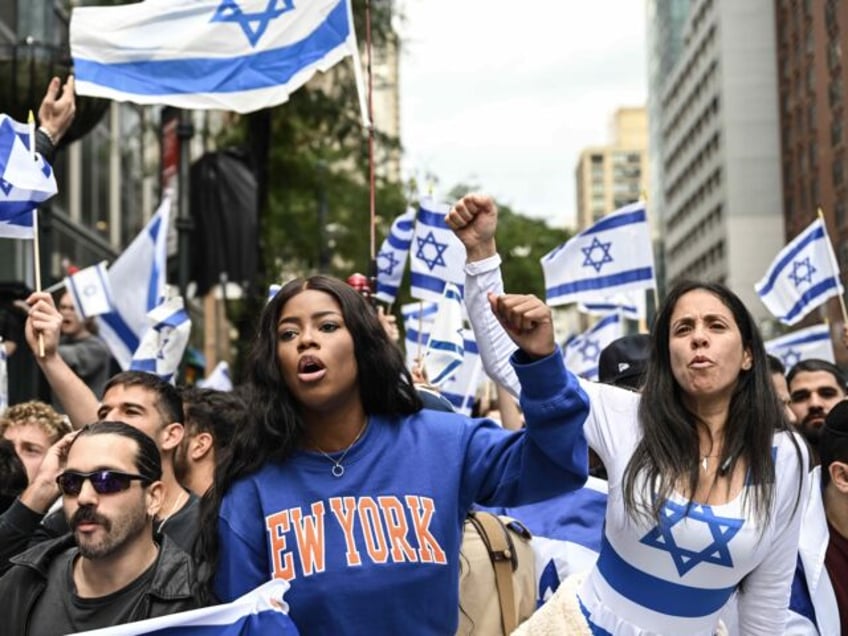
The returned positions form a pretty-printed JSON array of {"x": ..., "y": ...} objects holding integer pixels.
[
  {"x": 109, "y": 571},
  {"x": 815, "y": 387}
]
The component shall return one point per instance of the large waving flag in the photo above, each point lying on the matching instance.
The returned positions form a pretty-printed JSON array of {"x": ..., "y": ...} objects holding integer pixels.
[
  {"x": 391, "y": 259},
  {"x": 257, "y": 613},
  {"x": 812, "y": 342},
  {"x": 417, "y": 324},
  {"x": 445, "y": 348},
  {"x": 630, "y": 304},
  {"x": 24, "y": 182},
  {"x": 613, "y": 255},
  {"x": 803, "y": 276},
  {"x": 436, "y": 256},
  {"x": 163, "y": 343},
  {"x": 90, "y": 291},
  {"x": 240, "y": 55},
  {"x": 582, "y": 352},
  {"x": 137, "y": 278},
  {"x": 461, "y": 388}
]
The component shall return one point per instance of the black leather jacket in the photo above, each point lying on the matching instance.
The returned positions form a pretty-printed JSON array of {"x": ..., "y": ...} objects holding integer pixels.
[{"x": 171, "y": 590}]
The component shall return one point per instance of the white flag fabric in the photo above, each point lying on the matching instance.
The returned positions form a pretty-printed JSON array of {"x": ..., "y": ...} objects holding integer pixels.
[
  {"x": 220, "y": 378},
  {"x": 630, "y": 304},
  {"x": 163, "y": 344},
  {"x": 392, "y": 257},
  {"x": 812, "y": 342},
  {"x": 417, "y": 324},
  {"x": 461, "y": 388},
  {"x": 90, "y": 291},
  {"x": 137, "y": 279},
  {"x": 582, "y": 352},
  {"x": 612, "y": 256},
  {"x": 241, "y": 55},
  {"x": 445, "y": 348},
  {"x": 803, "y": 276},
  {"x": 257, "y": 613},
  {"x": 24, "y": 182},
  {"x": 436, "y": 256},
  {"x": 4, "y": 379}
]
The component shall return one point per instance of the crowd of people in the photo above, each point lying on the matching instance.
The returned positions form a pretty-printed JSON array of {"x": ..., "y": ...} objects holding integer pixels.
[{"x": 330, "y": 468}]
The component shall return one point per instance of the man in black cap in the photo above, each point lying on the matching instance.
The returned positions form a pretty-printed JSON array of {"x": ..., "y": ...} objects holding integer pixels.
[{"x": 819, "y": 602}]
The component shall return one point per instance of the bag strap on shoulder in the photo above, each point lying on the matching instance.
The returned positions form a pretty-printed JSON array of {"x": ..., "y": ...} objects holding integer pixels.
[{"x": 504, "y": 560}]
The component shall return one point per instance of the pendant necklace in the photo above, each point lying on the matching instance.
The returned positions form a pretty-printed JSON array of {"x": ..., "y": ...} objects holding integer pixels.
[{"x": 338, "y": 470}]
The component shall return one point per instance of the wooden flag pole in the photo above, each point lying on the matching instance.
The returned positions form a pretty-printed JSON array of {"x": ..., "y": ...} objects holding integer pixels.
[{"x": 36, "y": 249}]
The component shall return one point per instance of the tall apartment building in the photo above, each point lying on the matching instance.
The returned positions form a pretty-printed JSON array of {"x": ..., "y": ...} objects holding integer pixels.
[
  {"x": 614, "y": 175},
  {"x": 719, "y": 151},
  {"x": 812, "y": 38}
]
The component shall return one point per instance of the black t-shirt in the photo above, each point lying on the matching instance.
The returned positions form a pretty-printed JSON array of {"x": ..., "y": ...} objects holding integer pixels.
[
  {"x": 182, "y": 526},
  {"x": 59, "y": 610}
]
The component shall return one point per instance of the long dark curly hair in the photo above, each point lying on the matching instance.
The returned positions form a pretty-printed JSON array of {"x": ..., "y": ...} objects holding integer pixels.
[
  {"x": 669, "y": 449},
  {"x": 274, "y": 428}
]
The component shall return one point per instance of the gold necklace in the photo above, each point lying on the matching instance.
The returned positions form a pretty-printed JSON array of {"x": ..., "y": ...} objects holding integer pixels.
[
  {"x": 176, "y": 505},
  {"x": 338, "y": 470}
]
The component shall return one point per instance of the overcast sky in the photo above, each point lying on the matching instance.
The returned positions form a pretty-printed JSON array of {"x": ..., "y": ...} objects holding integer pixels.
[{"x": 504, "y": 95}]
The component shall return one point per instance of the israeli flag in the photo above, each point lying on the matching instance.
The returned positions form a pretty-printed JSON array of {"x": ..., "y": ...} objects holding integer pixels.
[
  {"x": 583, "y": 352},
  {"x": 220, "y": 378},
  {"x": 612, "y": 256},
  {"x": 240, "y": 55},
  {"x": 803, "y": 276},
  {"x": 137, "y": 279},
  {"x": 461, "y": 388},
  {"x": 417, "y": 323},
  {"x": 163, "y": 344},
  {"x": 632, "y": 305},
  {"x": 445, "y": 347},
  {"x": 436, "y": 256},
  {"x": 24, "y": 182},
  {"x": 567, "y": 533},
  {"x": 812, "y": 342},
  {"x": 257, "y": 613},
  {"x": 90, "y": 291},
  {"x": 391, "y": 259}
]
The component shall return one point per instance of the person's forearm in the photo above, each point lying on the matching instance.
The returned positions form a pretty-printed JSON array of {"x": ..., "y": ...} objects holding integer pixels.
[{"x": 72, "y": 393}]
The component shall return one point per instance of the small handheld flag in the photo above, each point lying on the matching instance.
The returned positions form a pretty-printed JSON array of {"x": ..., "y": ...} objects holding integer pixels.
[
  {"x": 436, "y": 256},
  {"x": 812, "y": 342},
  {"x": 90, "y": 291},
  {"x": 162, "y": 345},
  {"x": 392, "y": 257},
  {"x": 582, "y": 352},
  {"x": 445, "y": 348}
]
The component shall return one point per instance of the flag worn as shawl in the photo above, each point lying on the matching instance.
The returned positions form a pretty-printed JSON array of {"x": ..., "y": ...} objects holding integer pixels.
[
  {"x": 613, "y": 255},
  {"x": 241, "y": 55}
]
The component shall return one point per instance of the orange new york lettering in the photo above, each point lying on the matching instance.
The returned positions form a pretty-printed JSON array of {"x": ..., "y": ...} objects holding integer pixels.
[
  {"x": 309, "y": 532},
  {"x": 372, "y": 530},
  {"x": 278, "y": 525},
  {"x": 429, "y": 550},
  {"x": 395, "y": 518},
  {"x": 345, "y": 511}
]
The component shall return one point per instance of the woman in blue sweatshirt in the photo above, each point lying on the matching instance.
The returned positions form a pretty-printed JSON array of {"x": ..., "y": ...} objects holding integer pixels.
[{"x": 343, "y": 486}]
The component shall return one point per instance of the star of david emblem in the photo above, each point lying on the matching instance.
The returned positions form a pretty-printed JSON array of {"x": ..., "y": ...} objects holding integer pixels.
[
  {"x": 721, "y": 529},
  {"x": 253, "y": 23},
  {"x": 790, "y": 358},
  {"x": 425, "y": 244},
  {"x": 597, "y": 254},
  {"x": 5, "y": 186},
  {"x": 802, "y": 272},
  {"x": 590, "y": 350},
  {"x": 89, "y": 290},
  {"x": 391, "y": 262},
  {"x": 164, "y": 337}
]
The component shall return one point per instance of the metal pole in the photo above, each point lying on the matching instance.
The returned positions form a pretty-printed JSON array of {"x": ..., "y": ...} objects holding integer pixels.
[{"x": 184, "y": 223}]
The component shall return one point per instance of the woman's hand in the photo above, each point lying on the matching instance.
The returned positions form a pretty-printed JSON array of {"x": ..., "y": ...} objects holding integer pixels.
[{"x": 528, "y": 322}]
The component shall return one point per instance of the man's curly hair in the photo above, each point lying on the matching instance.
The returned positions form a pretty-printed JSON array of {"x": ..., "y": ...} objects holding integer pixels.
[{"x": 39, "y": 413}]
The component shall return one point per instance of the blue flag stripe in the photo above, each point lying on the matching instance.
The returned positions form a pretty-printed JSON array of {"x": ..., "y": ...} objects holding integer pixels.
[
  {"x": 601, "y": 282},
  {"x": 615, "y": 221},
  {"x": 122, "y": 329},
  {"x": 809, "y": 296},
  {"x": 227, "y": 74}
]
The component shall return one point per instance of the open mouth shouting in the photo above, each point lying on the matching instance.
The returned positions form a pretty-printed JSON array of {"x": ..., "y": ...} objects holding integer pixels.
[{"x": 310, "y": 369}]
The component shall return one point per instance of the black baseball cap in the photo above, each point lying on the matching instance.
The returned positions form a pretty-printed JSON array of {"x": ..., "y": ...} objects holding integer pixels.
[{"x": 624, "y": 361}]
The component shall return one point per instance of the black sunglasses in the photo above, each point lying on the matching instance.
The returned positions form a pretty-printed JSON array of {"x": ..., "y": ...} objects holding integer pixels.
[{"x": 104, "y": 482}]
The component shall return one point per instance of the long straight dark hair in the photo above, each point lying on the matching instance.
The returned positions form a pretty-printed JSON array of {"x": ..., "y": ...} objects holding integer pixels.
[
  {"x": 669, "y": 449},
  {"x": 274, "y": 428}
]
